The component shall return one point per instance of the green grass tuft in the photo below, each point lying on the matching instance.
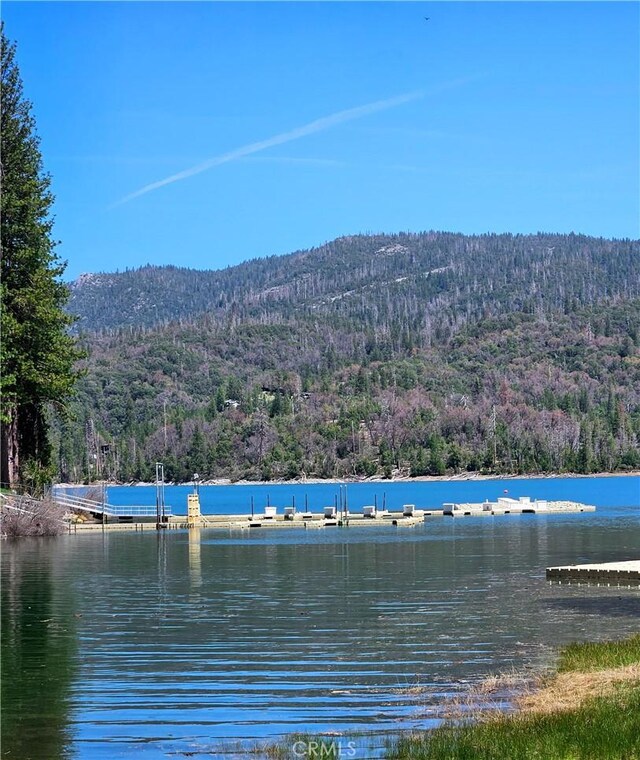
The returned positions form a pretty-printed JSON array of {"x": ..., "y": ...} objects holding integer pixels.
[
  {"x": 599, "y": 655},
  {"x": 602, "y": 729}
]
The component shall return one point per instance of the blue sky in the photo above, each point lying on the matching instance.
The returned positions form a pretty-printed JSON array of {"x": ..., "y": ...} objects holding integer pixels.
[{"x": 204, "y": 134}]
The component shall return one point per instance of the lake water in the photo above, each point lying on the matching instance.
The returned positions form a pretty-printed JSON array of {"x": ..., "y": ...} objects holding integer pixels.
[
  {"x": 194, "y": 643},
  {"x": 236, "y": 499}
]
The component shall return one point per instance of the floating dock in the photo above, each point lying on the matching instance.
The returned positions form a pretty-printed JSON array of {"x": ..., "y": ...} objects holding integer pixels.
[
  {"x": 331, "y": 516},
  {"x": 508, "y": 506},
  {"x": 235, "y": 522},
  {"x": 610, "y": 573}
]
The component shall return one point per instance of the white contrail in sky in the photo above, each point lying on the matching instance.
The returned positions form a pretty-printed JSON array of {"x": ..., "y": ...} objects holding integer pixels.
[{"x": 319, "y": 125}]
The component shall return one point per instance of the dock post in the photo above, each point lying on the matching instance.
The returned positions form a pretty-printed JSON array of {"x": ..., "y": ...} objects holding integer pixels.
[{"x": 194, "y": 516}]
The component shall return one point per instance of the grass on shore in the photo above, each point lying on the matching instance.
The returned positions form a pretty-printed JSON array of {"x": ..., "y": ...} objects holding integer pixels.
[
  {"x": 600, "y": 655},
  {"x": 589, "y": 711},
  {"x": 605, "y": 728}
]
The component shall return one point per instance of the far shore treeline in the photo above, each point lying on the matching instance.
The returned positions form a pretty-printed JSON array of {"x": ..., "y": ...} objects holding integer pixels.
[{"x": 374, "y": 355}]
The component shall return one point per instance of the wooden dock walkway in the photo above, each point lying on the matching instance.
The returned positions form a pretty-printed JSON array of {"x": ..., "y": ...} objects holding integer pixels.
[
  {"x": 234, "y": 522},
  {"x": 612, "y": 573}
]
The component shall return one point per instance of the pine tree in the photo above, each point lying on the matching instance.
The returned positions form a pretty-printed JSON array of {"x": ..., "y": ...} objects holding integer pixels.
[{"x": 37, "y": 353}]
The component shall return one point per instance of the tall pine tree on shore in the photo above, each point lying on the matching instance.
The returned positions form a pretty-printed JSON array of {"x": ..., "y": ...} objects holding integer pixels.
[{"x": 36, "y": 352}]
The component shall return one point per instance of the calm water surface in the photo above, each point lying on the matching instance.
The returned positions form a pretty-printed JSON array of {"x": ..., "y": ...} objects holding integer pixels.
[
  {"x": 235, "y": 499},
  {"x": 186, "y": 643}
]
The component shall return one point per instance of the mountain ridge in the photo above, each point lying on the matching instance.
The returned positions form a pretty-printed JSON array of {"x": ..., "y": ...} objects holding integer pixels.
[{"x": 141, "y": 296}]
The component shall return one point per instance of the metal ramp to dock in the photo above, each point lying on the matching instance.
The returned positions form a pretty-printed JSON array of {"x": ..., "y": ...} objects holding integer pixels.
[{"x": 102, "y": 509}]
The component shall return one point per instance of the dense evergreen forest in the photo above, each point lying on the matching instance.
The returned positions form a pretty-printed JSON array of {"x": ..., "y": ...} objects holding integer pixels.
[{"x": 373, "y": 355}]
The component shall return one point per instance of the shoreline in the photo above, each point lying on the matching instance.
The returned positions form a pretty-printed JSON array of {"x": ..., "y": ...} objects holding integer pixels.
[
  {"x": 553, "y": 713},
  {"x": 461, "y": 478}
]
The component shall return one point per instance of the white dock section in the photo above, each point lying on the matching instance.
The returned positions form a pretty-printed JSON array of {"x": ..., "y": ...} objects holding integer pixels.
[
  {"x": 627, "y": 572},
  {"x": 507, "y": 505}
]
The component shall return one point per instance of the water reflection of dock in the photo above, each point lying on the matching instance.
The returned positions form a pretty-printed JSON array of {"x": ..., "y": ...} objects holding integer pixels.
[{"x": 195, "y": 563}]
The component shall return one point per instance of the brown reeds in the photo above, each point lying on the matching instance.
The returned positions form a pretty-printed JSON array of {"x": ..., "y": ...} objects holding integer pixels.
[
  {"x": 569, "y": 691},
  {"x": 27, "y": 516}
]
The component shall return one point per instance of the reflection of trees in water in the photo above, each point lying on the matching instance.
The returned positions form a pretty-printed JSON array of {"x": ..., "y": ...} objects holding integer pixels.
[{"x": 38, "y": 648}]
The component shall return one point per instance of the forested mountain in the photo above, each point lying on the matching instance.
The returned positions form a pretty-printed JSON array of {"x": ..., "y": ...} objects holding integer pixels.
[{"x": 371, "y": 355}]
